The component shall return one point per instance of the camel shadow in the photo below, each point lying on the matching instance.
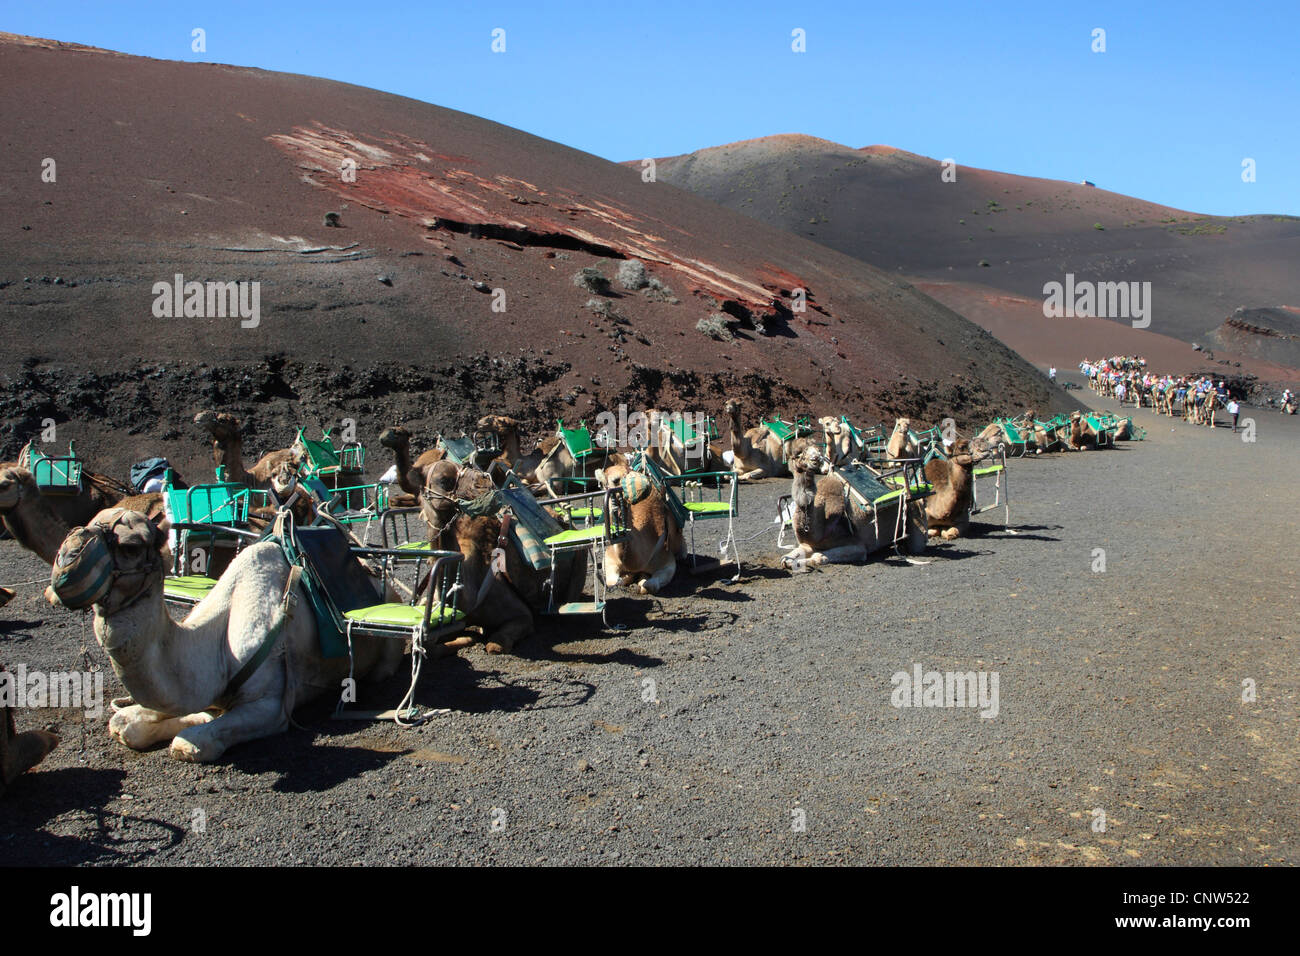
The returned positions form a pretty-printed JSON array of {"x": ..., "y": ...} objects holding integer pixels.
[
  {"x": 116, "y": 839},
  {"x": 945, "y": 551},
  {"x": 17, "y": 630}
]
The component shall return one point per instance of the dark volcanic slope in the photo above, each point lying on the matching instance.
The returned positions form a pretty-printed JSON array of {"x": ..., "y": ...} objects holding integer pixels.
[
  {"x": 893, "y": 209},
  {"x": 1267, "y": 333},
  {"x": 225, "y": 174}
]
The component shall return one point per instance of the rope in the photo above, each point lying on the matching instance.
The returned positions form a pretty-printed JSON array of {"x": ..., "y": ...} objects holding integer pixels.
[{"x": 16, "y": 584}]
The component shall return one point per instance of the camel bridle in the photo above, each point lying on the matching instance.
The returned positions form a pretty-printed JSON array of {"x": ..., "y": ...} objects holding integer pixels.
[{"x": 145, "y": 574}]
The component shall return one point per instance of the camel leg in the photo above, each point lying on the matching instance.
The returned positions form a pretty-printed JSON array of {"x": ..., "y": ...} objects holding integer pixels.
[
  {"x": 844, "y": 554},
  {"x": 505, "y": 637},
  {"x": 139, "y": 727},
  {"x": 25, "y": 751},
  {"x": 208, "y": 741},
  {"x": 660, "y": 579},
  {"x": 751, "y": 475}
]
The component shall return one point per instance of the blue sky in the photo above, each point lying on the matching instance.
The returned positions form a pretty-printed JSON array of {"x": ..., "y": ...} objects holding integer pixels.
[{"x": 1183, "y": 93}]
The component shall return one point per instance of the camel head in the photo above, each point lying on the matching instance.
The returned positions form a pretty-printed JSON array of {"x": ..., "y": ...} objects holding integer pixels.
[
  {"x": 966, "y": 453},
  {"x": 732, "y": 408},
  {"x": 499, "y": 425},
  {"x": 618, "y": 473},
  {"x": 284, "y": 480},
  {"x": 220, "y": 425},
  {"x": 395, "y": 438},
  {"x": 807, "y": 458},
  {"x": 15, "y": 483},
  {"x": 903, "y": 425},
  {"x": 831, "y": 426},
  {"x": 438, "y": 504},
  {"x": 110, "y": 562}
]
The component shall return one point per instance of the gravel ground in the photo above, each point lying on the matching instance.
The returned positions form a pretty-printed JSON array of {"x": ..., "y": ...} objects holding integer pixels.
[{"x": 1119, "y": 691}]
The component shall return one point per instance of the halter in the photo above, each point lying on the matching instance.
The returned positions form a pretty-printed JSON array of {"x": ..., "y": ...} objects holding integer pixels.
[{"x": 108, "y": 541}]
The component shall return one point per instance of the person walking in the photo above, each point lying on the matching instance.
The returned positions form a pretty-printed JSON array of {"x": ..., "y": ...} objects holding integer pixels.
[
  {"x": 1234, "y": 409},
  {"x": 1051, "y": 374}
]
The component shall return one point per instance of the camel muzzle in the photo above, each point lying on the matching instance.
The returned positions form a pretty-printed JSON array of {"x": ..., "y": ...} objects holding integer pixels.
[{"x": 83, "y": 570}]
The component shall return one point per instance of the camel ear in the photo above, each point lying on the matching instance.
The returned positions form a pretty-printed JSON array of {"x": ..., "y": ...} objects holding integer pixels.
[{"x": 600, "y": 476}]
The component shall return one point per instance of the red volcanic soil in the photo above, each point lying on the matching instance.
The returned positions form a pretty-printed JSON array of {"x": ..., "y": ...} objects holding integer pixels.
[
  {"x": 1000, "y": 231},
  {"x": 225, "y": 174}
]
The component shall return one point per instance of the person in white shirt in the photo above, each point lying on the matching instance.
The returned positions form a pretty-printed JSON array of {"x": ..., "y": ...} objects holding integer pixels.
[
  {"x": 1051, "y": 374},
  {"x": 1234, "y": 409}
]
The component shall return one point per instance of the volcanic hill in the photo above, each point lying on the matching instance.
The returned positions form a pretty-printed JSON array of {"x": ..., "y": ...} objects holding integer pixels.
[
  {"x": 987, "y": 238},
  {"x": 390, "y": 310}
]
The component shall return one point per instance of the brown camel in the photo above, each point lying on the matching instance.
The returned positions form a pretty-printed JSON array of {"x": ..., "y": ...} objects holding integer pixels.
[
  {"x": 19, "y": 752},
  {"x": 953, "y": 480},
  {"x": 228, "y": 451},
  {"x": 647, "y": 556},
  {"x": 756, "y": 453},
  {"x": 501, "y": 590},
  {"x": 511, "y": 457},
  {"x": 35, "y": 522},
  {"x": 832, "y": 525},
  {"x": 410, "y": 474},
  {"x": 901, "y": 444}
]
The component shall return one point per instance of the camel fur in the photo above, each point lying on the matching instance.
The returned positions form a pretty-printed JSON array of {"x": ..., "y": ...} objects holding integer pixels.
[
  {"x": 756, "y": 453},
  {"x": 646, "y": 558},
  {"x": 178, "y": 673},
  {"x": 20, "y": 752},
  {"x": 953, "y": 480},
  {"x": 831, "y": 525},
  {"x": 228, "y": 451}
]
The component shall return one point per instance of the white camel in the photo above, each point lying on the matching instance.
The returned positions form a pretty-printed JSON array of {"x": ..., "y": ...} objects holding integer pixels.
[{"x": 182, "y": 677}]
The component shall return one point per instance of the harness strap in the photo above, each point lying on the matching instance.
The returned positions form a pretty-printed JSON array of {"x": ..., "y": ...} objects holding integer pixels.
[{"x": 287, "y": 605}]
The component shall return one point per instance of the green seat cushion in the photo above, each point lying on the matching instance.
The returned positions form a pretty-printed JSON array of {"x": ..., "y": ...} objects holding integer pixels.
[
  {"x": 576, "y": 536},
  {"x": 415, "y": 547},
  {"x": 583, "y": 512},
  {"x": 989, "y": 470},
  {"x": 193, "y": 587},
  {"x": 403, "y": 615},
  {"x": 709, "y": 507}
]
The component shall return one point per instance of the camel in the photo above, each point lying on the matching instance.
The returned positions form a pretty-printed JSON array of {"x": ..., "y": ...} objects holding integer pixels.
[
  {"x": 20, "y": 752},
  {"x": 1210, "y": 405},
  {"x": 838, "y": 440},
  {"x": 228, "y": 451},
  {"x": 953, "y": 480},
  {"x": 501, "y": 589},
  {"x": 410, "y": 474},
  {"x": 506, "y": 431},
  {"x": 831, "y": 525},
  {"x": 670, "y": 454},
  {"x": 1077, "y": 437},
  {"x": 755, "y": 453},
  {"x": 901, "y": 444},
  {"x": 647, "y": 557},
  {"x": 287, "y": 492},
  {"x": 35, "y": 521},
  {"x": 180, "y": 675}
]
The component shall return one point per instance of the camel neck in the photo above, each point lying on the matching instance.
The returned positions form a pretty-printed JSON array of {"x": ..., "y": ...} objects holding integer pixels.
[
  {"x": 230, "y": 453},
  {"x": 166, "y": 666},
  {"x": 36, "y": 526}
]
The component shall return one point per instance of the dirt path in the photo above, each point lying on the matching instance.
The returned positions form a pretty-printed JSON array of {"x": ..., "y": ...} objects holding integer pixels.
[{"x": 1119, "y": 691}]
